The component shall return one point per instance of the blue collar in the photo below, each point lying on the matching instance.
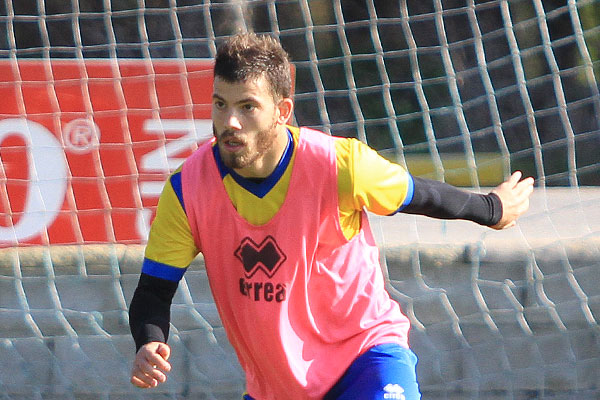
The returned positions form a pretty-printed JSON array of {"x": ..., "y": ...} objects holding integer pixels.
[{"x": 259, "y": 188}]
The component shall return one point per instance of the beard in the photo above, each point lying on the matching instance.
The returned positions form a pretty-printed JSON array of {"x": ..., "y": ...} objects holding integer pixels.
[{"x": 263, "y": 141}]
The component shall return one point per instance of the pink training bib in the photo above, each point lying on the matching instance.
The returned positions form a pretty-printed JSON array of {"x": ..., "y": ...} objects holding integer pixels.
[{"x": 299, "y": 302}]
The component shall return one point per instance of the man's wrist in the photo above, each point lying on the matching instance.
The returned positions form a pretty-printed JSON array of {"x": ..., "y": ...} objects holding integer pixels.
[
  {"x": 149, "y": 333},
  {"x": 495, "y": 204}
]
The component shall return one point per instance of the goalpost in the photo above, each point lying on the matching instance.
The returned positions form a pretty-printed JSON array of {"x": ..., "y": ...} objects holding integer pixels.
[{"x": 103, "y": 99}]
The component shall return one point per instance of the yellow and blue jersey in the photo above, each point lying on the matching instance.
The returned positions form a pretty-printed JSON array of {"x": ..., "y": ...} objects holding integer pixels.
[{"x": 365, "y": 180}]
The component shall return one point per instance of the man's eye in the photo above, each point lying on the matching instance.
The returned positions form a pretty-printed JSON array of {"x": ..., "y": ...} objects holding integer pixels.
[
  {"x": 219, "y": 104},
  {"x": 248, "y": 107}
]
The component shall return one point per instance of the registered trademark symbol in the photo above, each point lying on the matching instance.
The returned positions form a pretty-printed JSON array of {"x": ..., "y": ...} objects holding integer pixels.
[{"x": 81, "y": 135}]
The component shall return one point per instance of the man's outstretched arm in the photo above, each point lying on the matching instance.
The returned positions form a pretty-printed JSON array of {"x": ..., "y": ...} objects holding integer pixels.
[{"x": 498, "y": 209}]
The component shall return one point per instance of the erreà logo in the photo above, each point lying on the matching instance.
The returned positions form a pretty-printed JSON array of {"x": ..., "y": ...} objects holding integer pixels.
[
  {"x": 394, "y": 392},
  {"x": 266, "y": 256}
]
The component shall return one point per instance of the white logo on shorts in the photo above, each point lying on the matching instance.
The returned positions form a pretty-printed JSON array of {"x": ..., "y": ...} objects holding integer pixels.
[{"x": 393, "y": 391}]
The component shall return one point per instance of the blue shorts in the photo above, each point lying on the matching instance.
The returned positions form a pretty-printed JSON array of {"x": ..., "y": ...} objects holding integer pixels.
[{"x": 386, "y": 371}]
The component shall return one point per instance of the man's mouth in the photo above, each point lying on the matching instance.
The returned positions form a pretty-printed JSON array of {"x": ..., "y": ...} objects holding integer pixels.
[{"x": 232, "y": 143}]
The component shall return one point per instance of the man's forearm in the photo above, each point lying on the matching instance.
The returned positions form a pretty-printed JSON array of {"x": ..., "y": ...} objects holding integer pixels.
[
  {"x": 150, "y": 310},
  {"x": 440, "y": 200}
]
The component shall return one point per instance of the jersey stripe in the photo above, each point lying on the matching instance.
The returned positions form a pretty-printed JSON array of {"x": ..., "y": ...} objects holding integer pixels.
[
  {"x": 160, "y": 270},
  {"x": 410, "y": 192},
  {"x": 176, "y": 184}
]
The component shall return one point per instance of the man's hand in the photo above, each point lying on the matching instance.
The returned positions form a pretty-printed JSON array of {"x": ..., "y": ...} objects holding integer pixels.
[
  {"x": 514, "y": 195},
  {"x": 150, "y": 365}
]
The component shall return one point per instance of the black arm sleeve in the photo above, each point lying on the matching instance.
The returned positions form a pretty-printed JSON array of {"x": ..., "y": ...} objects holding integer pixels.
[
  {"x": 440, "y": 200},
  {"x": 150, "y": 310}
]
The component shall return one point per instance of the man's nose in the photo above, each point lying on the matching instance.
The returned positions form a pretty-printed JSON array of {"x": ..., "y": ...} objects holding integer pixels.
[{"x": 232, "y": 121}]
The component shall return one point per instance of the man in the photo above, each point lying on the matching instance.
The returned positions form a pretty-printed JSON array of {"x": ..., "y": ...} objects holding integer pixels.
[{"x": 278, "y": 214}]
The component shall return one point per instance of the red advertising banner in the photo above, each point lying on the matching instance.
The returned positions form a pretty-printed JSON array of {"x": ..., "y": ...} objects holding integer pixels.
[{"x": 86, "y": 145}]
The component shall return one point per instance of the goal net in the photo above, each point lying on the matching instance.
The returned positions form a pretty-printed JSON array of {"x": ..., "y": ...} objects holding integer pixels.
[{"x": 103, "y": 99}]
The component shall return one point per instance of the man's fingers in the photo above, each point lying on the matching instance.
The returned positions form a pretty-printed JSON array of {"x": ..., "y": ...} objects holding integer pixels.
[
  {"x": 516, "y": 186},
  {"x": 514, "y": 194},
  {"x": 159, "y": 361},
  {"x": 150, "y": 365},
  {"x": 143, "y": 382},
  {"x": 164, "y": 351},
  {"x": 152, "y": 371},
  {"x": 145, "y": 376},
  {"x": 527, "y": 183},
  {"x": 146, "y": 373},
  {"x": 510, "y": 184},
  {"x": 525, "y": 187},
  {"x": 514, "y": 178}
]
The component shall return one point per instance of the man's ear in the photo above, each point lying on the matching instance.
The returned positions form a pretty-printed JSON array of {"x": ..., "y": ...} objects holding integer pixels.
[{"x": 286, "y": 108}]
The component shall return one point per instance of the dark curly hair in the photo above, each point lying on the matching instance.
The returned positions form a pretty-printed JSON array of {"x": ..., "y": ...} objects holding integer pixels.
[{"x": 248, "y": 56}]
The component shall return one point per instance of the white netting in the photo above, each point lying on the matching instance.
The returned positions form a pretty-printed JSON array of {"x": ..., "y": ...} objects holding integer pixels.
[{"x": 463, "y": 91}]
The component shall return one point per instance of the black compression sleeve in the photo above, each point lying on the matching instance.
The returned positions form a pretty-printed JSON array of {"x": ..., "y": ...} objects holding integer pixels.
[
  {"x": 150, "y": 310},
  {"x": 440, "y": 200}
]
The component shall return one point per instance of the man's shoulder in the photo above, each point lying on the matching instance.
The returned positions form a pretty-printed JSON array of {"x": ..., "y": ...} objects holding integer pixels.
[
  {"x": 346, "y": 148},
  {"x": 312, "y": 135}
]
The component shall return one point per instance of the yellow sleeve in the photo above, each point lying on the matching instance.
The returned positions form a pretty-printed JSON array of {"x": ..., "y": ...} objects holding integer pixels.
[
  {"x": 170, "y": 242},
  {"x": 365, "y": 179}
]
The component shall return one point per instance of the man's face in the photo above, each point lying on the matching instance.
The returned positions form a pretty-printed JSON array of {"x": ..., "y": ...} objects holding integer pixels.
[{"x": 244, "y": 118}]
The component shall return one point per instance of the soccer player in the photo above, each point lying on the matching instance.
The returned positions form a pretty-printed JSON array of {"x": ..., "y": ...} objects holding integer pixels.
[{"x": 278, "y": 213}]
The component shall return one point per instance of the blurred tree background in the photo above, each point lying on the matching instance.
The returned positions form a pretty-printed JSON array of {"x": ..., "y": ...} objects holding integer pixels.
[{"x": 405, "y": 76}]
